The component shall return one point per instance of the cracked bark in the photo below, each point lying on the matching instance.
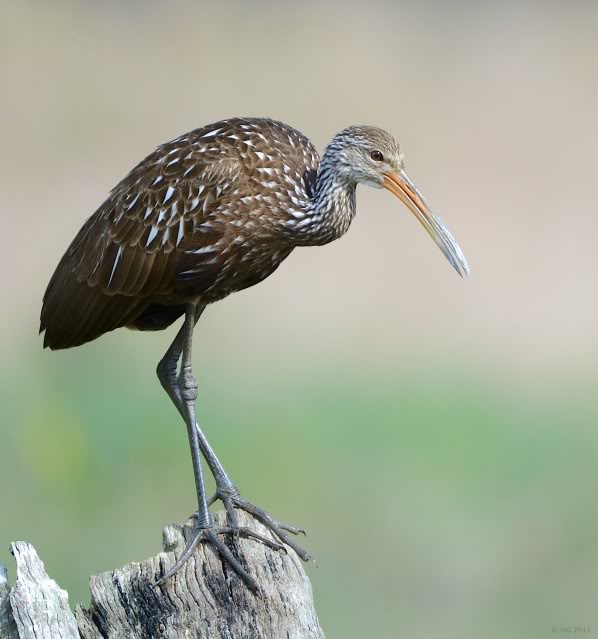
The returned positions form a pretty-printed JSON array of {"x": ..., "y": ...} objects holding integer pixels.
[{"x": 205, "y": 600}]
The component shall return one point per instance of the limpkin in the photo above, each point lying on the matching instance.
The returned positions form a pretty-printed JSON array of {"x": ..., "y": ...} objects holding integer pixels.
[{"x": 212, "y": 212}]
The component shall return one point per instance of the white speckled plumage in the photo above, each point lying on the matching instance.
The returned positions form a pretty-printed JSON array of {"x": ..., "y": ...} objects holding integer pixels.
[{"x": 171, "y": 230}]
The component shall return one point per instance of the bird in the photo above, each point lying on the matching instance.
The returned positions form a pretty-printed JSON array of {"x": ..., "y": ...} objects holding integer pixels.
[{"x": 212, "y": 212}]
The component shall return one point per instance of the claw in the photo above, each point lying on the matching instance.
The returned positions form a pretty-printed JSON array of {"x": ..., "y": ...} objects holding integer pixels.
[{"x": 292, "y": 529}]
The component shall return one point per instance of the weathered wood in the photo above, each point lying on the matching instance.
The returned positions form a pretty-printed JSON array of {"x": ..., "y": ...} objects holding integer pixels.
[
  {"x": 39, "y": 608},
  {"x": 205, "y": 600},
  {"x": 8, "y": 627}
]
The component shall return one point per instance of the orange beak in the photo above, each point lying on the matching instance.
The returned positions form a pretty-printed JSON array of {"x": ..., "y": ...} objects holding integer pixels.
[{"x": 400, "y": 185}]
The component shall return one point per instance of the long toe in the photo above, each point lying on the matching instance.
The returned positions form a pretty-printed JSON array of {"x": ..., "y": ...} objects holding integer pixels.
[
  {"x": 182, "y": 560},
  {"x": 278, "y": 529},
  {"x": 230, "y": 559}
]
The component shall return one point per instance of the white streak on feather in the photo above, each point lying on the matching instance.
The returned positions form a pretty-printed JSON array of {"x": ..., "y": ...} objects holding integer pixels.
[
  {"x": 119, "y": 254},
  {"x": 132, "y": 204},
  {"x": 181, "y": 232},
  {"x": 169, "y": 194},
  {"x": 203, "y": 249},
  {"x": 151, "y": 236}
]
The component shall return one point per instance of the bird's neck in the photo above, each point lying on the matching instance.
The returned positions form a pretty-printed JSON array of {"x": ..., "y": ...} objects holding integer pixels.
[{"x": 331, "y": 208}]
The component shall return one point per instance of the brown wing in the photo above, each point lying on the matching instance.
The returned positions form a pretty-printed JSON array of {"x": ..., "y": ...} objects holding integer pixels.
[{"x": 126, "y": 255}]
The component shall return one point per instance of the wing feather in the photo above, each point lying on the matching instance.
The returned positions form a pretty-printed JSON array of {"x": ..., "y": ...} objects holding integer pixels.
[
  {"x": 157, "y": 230},
  {"x": 133, "y": 243},
  {"x": 128, "y": 253}
]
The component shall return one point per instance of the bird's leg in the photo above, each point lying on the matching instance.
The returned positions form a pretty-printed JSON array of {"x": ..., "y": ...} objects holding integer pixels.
[
  {"x": 188, "y": 393},
  {"x": 167, "y": 374},
  {"x": 226, "y": 491},
  {"x": 184, "y": 398}
]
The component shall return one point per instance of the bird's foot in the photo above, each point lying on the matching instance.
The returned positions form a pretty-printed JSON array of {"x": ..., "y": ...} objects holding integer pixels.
[
  {"x": 232, "y": 499},
  {"x": 211, "y": 535}
]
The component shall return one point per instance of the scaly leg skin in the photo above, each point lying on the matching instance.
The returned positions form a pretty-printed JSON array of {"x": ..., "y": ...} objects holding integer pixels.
[
  {"x": 187, "y": 394},
  {"x": 226, "y": 490}
]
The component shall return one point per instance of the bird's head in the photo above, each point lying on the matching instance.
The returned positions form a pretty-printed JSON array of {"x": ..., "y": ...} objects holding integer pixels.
[{"x": 369, "y": 155}]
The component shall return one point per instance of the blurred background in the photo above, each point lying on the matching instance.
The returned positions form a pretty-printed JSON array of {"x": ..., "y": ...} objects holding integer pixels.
[{"x": 436, "y": 437}]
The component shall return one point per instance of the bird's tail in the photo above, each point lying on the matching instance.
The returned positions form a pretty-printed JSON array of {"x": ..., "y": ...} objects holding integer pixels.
[{"x": 74, "y": 312}]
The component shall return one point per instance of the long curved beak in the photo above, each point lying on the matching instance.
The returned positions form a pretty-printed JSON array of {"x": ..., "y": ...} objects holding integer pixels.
[{"x": 400, "y": 184}]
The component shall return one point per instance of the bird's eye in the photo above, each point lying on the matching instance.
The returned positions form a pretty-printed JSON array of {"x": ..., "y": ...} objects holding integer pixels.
[{"x": 377, "y": 156}]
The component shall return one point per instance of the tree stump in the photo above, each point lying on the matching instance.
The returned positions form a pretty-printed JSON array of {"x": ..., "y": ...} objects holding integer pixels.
[{"x": 204, "y": 600}]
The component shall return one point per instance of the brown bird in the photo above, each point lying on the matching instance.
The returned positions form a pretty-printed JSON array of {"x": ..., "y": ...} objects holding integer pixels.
[{"x": 213, "y": 212}]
